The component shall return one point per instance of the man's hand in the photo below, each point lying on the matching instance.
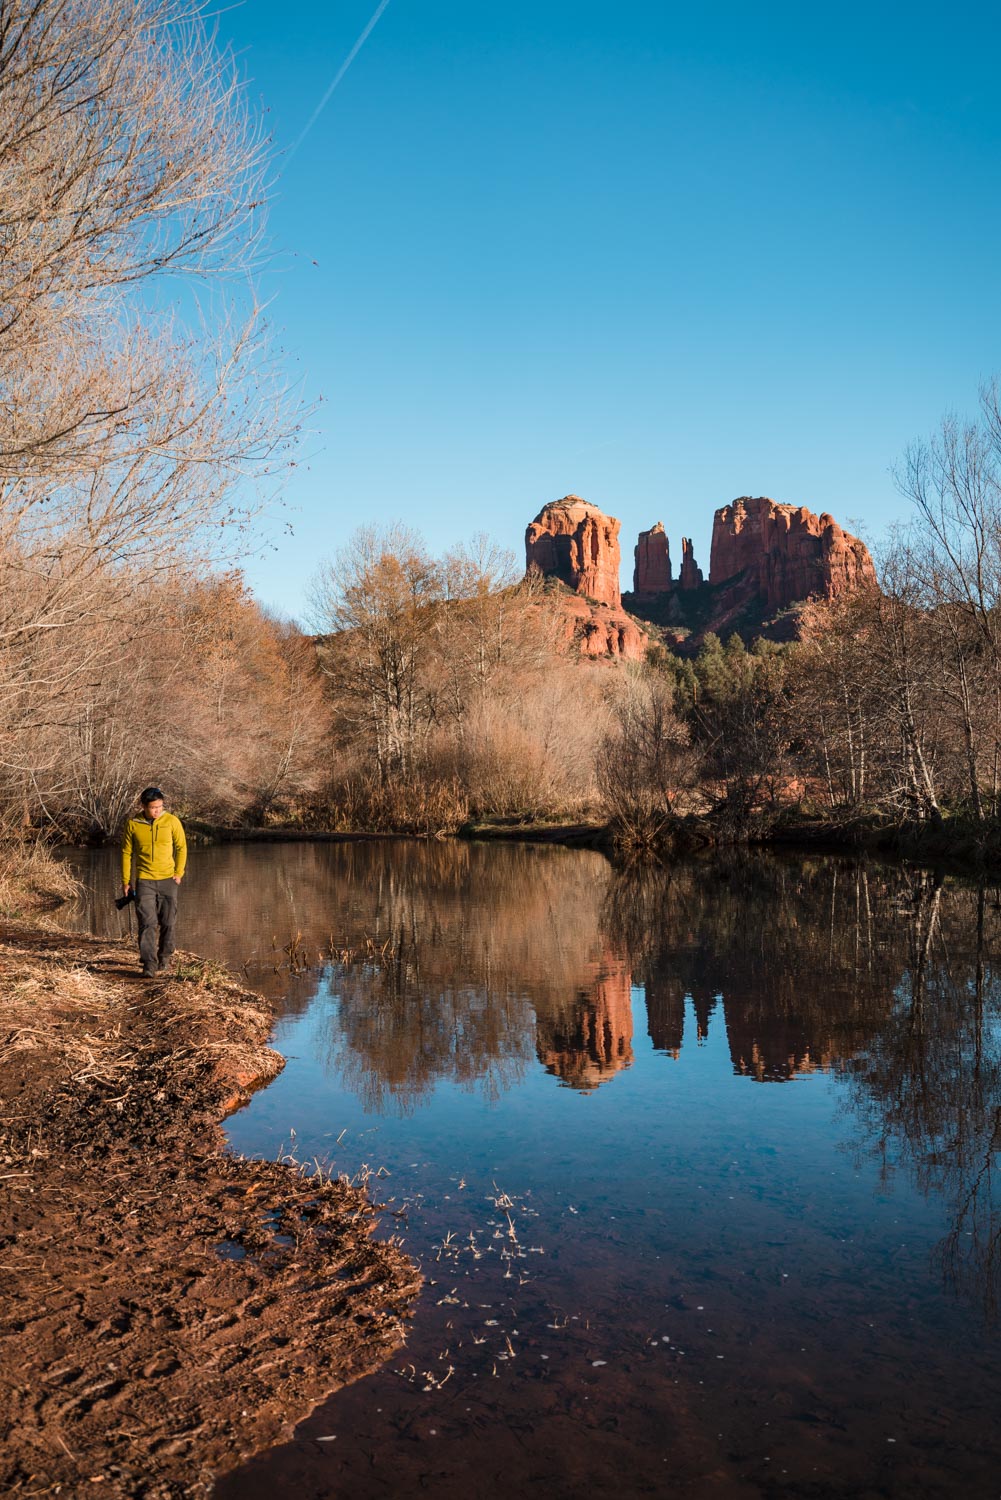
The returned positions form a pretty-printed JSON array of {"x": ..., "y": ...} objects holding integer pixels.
[
  {"x": 126, "y": 888},
  {"x": 178, "y": 879}
]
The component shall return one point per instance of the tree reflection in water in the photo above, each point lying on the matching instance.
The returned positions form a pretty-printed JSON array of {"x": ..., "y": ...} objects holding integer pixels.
[
  {"x": 880, "y": 974},
  {"x": 927, "y": 1086},
  {"x": 489, "y": 961}
]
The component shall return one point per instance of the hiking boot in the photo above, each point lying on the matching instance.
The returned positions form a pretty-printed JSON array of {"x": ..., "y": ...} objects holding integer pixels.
[{"x": 168, "y": 964}]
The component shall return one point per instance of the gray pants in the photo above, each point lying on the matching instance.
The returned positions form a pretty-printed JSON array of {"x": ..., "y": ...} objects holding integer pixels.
[{"x": 156, "y": 905}]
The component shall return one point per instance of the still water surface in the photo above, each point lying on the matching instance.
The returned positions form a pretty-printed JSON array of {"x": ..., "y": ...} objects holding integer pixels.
[{"x": 699, "y": 1164}]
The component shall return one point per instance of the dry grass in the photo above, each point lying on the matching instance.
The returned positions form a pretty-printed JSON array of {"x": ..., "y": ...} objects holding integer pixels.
[
  {"x": 32, "y": 878},
  {"x": 81, "y": 1037},
  {"x": 427, "y": 805},
  {"x": 204, "y": 972},
  {"x": 58, "y": 1012}
]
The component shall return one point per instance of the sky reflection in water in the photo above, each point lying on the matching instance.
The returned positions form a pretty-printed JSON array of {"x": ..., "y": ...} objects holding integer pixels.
[{"x": 746, "y": 1115}]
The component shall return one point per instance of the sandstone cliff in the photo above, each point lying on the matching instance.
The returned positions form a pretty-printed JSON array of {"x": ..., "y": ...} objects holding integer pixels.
[
  {"x": 574, "y": 541},
  {"x": 765, "y": 558},
  {"x": 652, "y": 570},
  {"x": 602, "y": 630},
  {"x": 788, "y": 552}
]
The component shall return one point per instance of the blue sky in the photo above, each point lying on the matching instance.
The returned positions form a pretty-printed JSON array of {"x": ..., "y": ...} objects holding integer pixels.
[{"x": 656, "y": 256}]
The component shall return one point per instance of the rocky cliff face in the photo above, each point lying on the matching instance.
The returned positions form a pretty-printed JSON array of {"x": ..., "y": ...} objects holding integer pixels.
[
  {"x": 790, "y": 553},
  {"x": 652, "y": 570},
  {"x": 765, "y": 558},
  {"x": 691, "y": 574},
  {"x": 574, "y": 541},
  {"x": 602, "y": 630}
]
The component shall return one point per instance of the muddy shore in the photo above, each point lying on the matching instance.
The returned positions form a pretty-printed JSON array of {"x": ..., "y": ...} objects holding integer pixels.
[{"x": 168, "y": 1310}]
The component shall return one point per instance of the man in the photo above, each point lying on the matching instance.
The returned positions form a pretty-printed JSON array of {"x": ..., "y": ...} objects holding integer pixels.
[{"x": 154, "y": 854}]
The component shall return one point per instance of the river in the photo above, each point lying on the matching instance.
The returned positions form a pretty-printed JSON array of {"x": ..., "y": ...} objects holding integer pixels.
[{"x": 699, "y": 1163}]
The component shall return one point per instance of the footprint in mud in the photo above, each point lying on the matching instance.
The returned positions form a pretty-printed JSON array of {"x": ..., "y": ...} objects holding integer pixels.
[
  {"x": 230, "y": 1249},
  {"x": 91, "y": 1396},
  {"x": 115, "y": 1327},
  {"x": 163, "y": 1364}
]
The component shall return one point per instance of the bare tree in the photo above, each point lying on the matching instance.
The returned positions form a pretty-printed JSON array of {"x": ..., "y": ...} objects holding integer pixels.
[
  {"x": 127, "y": 433},
  {"x": 901, "y": 661},
  {"x": 645, "y": 760},
  {"x": 954, "y": 481},
  {"x": 496, "y": 627},
  {"x": 834, "y": 699},
  {"x": 381, "y": 599},
  {"x": 126, "y": 152}
]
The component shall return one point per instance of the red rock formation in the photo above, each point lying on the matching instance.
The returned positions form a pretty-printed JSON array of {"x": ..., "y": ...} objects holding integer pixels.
[
  {"x": 652, "y": 572},
  {"x": 665, "y": 1010},
  {"x": 599, "y": 630},
  {"x": 573, "y": 540},
  {"x": 794, "y": 554},
  {"x": 691, "y": 574}
]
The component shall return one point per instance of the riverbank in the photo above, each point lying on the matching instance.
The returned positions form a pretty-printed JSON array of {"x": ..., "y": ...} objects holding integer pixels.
[
  {"x": 169, "y": 1310},
  {"x": 953, "y": 843}
]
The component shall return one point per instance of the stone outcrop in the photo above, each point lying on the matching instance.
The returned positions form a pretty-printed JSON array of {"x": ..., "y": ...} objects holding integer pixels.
[
  {"x": 691, "y": 574},
  {"x": 790, "y": 553},
  {"x": 766, "y": 558},
  {"x": 574, "y": 541},
  {"x": 601, "y": 630},
  {"x": 652, "y": 570}
]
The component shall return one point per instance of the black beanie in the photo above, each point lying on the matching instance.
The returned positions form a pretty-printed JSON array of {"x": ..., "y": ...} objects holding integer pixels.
[{"x": 151, "y": 794}]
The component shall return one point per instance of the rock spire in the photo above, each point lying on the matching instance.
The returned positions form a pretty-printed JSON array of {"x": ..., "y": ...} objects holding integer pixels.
[
  {"x": 690, "y": 576},
  {"x": 652, "y": 570}
]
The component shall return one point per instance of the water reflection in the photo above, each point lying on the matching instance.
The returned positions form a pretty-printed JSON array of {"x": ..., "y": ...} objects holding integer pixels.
[
  {"x": 927, "y": 1084},
  {"x": 884, "y": 975},
  {"x": 584, "y": 1043},
  {"x": 499, "y": 960}
]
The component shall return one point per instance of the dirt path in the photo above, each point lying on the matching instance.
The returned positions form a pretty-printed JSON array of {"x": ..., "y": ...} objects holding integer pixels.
[{"x": 166, "y": 1310}]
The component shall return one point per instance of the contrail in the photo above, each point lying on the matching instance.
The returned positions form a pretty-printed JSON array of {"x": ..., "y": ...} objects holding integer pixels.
[{"x": 359, "y": 44}]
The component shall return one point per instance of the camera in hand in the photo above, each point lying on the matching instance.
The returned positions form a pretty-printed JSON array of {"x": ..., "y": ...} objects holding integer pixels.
[{"x": 123, "y": 901}]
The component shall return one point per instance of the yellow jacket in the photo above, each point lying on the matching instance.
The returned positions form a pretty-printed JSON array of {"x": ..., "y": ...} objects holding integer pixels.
[{"x": 161, "y": 848}]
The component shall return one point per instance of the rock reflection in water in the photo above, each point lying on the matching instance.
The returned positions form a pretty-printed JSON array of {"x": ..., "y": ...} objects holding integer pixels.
[
  {"x": 585, "y": 1043},
  {"x": 498, "y": 957},
  {"x": 746, "y": 1097},
  {"x": 489, "y": 963},
  {"x": 881, "y": 974},
  {"x": 877, "y": 973}
]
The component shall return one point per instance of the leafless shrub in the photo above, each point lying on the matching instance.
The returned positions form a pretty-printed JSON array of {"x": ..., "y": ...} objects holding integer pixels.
[
  {"x": 425, "y": 804},
  {"x": 646, "y": 763},
  {"x": 31, "y": 876}
]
